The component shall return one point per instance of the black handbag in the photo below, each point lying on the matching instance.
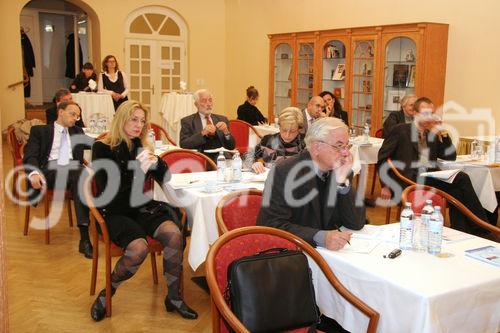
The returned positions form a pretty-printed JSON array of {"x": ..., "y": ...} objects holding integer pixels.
[{"x": 272, "y": 291}]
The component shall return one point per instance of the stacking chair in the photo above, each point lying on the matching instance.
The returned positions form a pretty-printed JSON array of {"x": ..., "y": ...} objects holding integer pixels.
[
  {"x": 416, "y": 194},
  {"x": 240, "y": 130},
  {"x": 97, "y": 222},
  {"x": 248, "y": 241},
  {"x": 16, "y": 151},
  {"x": 186, "y": 161},
  {"x": 160, "y": 131},
  {"x": 238, "y": 209}
]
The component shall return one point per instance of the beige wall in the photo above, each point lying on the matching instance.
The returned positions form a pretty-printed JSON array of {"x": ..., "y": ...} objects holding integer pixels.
[
  {"x": 207, "y": 44},
  {"x": 228, "y": 45},
  {"x": 473, "y": 47}
]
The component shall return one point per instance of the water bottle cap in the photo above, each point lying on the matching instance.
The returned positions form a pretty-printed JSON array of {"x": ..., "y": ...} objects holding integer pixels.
[
  {"x": 408, "y": 204},
  {"x": 428, "y": 201}
]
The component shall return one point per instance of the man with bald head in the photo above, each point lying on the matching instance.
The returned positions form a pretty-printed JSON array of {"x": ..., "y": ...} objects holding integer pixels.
[
  {"x": 205, "y": 130},
  {"x": 314, "y": 111}
]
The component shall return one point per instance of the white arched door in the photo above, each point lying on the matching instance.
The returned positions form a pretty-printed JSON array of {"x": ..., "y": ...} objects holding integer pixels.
[{"x": 155, "y": 52}]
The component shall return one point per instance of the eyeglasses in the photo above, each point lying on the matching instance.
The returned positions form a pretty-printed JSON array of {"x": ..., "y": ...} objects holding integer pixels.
[
  {"x": 345, "y": 147},
  {"x": 74, "y": 115}
]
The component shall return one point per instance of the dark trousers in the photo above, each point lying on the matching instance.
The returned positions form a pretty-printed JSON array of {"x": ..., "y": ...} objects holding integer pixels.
[
  {"x": 54, "y": 176},
  {"x": 493, "y": 217},
  {"x": 462, "y": 190}
]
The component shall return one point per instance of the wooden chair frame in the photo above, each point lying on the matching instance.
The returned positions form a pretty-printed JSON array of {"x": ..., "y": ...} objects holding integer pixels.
[
  {"x": 209, "y": 163},
  {"x": 221, "y": 308},
  {"x": 110, "y": 249},
  {"x": 14, "y": 145},
  {"x": 404, "y": 179},
  {"x": 221, "y": 226},
  {"x": 450, "y": 199},
  {"x": 160, "y": 129}
]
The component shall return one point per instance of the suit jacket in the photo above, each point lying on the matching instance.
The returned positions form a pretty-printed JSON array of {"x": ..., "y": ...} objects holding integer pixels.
[
  {"x": 392, "y": 120},
  {"x": 51, "y": 116},
  {"x": 306, "y": 124},
  {"x": 306, "y": 219},
  {"x": 402, "y": 145},
  {"x": 191, "y": 137}
]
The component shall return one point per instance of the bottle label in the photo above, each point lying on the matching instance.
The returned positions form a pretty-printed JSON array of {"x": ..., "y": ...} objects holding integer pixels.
[{"x": 405, "y": 223}]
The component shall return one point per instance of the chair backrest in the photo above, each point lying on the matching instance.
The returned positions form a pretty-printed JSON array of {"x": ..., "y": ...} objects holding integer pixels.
[
  {"x": 248, "y": 241},
  {"x": 399, "y": 174},
  {"x": 160, "y": 131},
  {"x": 460, "y": 206},
  {"x": 240, "y": 130},
  {"x": 101, "y": 136},
  {"x": 379, "y": 133},
  {"x": 15, "y": 146},
  {"x": 417, "y": 195},
  {"x": 186, "y": 161},
  {"x": 238, "y": 209}
]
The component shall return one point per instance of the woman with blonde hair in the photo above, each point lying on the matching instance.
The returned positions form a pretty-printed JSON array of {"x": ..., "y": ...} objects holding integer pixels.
[
  {"x": 121, "y": 159},
  {"x": 288, "y": 142}
]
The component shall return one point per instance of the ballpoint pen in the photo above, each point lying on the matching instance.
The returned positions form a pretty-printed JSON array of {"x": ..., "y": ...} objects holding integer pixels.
[{"x": 338, "y": 229}]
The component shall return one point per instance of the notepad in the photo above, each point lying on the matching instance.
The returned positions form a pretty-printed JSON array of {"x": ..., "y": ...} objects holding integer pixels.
[
  {"x": 445, "y": 175},
  {"x": 489, "y": 254}
]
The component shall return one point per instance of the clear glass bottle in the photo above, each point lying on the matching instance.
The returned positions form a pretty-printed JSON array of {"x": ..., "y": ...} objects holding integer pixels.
[
  {"x": 237, "y": 165},
  {"x": 406, "y": 228},
  {"x": 221, "y": 166},
  {"x": 435, "y": 231}
]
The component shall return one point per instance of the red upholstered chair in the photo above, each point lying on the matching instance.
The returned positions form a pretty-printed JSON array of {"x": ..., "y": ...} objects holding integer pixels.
[
  {"x": 248, "y": 241},
  {"x": 160, "y": 132},
  {"x": 186, "y": 161},
  {"x": 238, "y": 209},
  {"x": 110, "y": 248},
  {"x": 240, "y": 130}
]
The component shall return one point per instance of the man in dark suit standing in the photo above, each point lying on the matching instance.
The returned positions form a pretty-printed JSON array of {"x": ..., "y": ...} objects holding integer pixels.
[
  {"x": 416, "y": 147},
  {"x": 53, "y": 158},
  {"x": 403, "y": 116},
  {"x": 62, "y": 95},
  {"x": 311, "y": 192},
  {"x": 205, "y": 130}
]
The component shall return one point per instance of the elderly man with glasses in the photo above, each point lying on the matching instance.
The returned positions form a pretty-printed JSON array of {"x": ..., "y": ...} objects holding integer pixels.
[
  {"x": 53, "y": 159},
  {"x": 311, "y": 192}
]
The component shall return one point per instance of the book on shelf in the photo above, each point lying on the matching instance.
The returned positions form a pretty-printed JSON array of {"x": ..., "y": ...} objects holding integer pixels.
[
  {"x": 400, "y": 75},
  {"x": 339, "y": 73},
  {"x": 338, "y": 93},
  {"x": 393, "y": 101},
  {"x": 489, "y": 254}
]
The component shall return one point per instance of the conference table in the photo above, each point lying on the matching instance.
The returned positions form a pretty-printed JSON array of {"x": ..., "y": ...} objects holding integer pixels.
[
  {"x": 95, "y": 107},
  {"x": 415, "y": 292}
]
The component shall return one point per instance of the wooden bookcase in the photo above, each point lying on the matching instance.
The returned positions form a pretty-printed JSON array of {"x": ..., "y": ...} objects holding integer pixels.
[{"x": 381, "y": 63}]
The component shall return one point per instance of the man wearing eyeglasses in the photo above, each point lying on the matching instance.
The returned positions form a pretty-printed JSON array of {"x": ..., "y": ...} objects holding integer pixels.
[
  {"x": 53, "y": 159},
  {"x": 314, "y": 111},
  {"x": 311, "y": 192}
]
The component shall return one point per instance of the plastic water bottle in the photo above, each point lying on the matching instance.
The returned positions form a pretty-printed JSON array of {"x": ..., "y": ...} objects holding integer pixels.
[
  {"x": 435, "y": 231},
  {"x": 236, "y": 165},
  {"x": 406, "y": 228},
  {"x": 151, "y": 137},
  {"x": 421, "y": 233},
  {"x": 221, "y": 166}
]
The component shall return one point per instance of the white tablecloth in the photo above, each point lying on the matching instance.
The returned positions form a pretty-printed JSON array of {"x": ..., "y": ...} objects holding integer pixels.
[
  {"x": 262, "y": 130},
  {"x": 485, "y": 180},
  {"x": 364, "y": 154},
  {"x": 200, "y": 208},
  {"x": 95, "y": 103},
  {"x": 415, "y": 292},
  {"x": 174, "y": 107}
]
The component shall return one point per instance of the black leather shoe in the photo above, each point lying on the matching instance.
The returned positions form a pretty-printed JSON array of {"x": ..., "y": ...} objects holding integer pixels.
[
  {"x": 85, "y": 247},
  {"x": 98, "y": 311},
  {"x": 184, "y": 310}
]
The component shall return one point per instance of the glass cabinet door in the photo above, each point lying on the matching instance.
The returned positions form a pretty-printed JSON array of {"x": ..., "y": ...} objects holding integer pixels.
[
  {"x": 362, "y": 83},
  {"x": 305, "y": 74},
  {"x": 282, "y": 78},
  {"x": 399, "y": 75},
  {"x": 333, "y": 69}
]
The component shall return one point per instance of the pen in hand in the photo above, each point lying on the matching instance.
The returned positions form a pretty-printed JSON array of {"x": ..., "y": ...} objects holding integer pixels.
[{"x": 338, "y": 229}]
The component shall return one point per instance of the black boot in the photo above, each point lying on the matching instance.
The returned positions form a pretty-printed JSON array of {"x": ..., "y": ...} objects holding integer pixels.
[{"x": 184, "y": 310}]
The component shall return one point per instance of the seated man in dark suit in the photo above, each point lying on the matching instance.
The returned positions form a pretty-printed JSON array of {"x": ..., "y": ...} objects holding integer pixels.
[
  {"x": 51, "y": 114},
  {"x": 403, "y": 116},
  {"x": 416, "y": 147},
  {"x": 311, "y": 192},
  {"x": 53, "y": 158},
  {"x": 205, "y": 130}
]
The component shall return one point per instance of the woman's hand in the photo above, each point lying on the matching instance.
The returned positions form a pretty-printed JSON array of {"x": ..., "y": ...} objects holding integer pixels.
[
  {"x": 146, "y": 159},
  {"x": 258, "y": 167}
]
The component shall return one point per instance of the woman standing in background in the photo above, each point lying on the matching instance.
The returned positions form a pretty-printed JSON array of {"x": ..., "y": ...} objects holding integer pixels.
[{"x": 113, "y": 81}]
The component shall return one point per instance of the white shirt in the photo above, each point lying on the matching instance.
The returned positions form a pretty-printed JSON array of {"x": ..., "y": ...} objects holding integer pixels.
[
  {"x": 100, "y": 86},
  {"x": 56, "y": 143},
  {"x": 204, "y": 120},
  {"x": 309, "y": 119}
]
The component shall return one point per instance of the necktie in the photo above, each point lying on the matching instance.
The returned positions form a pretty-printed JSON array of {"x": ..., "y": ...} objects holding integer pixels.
[
  {"x": 209, "y": 122},
  {"x": 64, "y": 149}
]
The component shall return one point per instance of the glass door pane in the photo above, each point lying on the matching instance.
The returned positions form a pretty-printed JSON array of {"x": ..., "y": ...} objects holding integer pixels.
[
  {"x": 140, "y": 73},
  {"x": 282, "y": 78},
  {"x": 362, "y": 86},
  {"x": 333, "y": 69},
  {"x": 305, "y": 74},
  {"x": 399, "y": 75}
]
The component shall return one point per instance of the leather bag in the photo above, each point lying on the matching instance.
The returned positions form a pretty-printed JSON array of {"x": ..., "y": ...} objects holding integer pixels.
[{"x": 272, "y": 291}]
